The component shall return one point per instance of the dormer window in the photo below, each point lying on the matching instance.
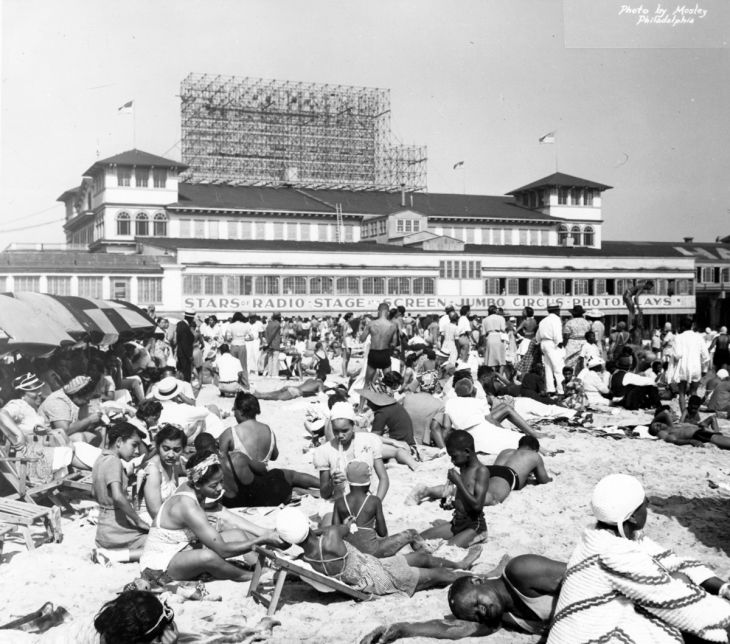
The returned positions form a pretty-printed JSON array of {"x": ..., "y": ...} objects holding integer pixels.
[
  {"x": 124, "y": 176},
  {"x": 141, "y": 177}
]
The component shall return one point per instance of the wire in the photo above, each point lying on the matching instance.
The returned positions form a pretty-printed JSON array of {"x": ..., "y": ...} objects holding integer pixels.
[
  {"x": 40, "y": 212},
  {"x": 46, "y": 223}
]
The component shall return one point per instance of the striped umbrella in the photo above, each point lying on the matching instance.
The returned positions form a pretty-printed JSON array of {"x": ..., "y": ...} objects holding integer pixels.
[{"x": 24, "y": 331}]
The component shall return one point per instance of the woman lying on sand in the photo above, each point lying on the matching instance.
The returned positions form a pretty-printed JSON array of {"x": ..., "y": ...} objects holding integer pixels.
[
  {"x": 182, "y": 521},
  {"x": 327, "y": 552}
]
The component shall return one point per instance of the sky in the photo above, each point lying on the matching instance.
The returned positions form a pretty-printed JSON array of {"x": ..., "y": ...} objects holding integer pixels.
[{"x": 641, "y": 107}]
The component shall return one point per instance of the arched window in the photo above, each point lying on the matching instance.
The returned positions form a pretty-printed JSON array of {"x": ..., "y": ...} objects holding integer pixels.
[
  {"x": 588, "y": 236},
  {"x": 123, "y": 224},
  {"x": 575, "y": 234},
  {"x": 399, "y": 286},
  {"x": 295, "y": 286},
  {"x": 160, "y": 224},
  {"x": 348, "y": 286},
  {"x": 142, "y": 225},
  {"x": 563, "y": 235},
  {"x": 321, "y": 286},
  {"x": 423, "y": 286},
  {"x": 373, "y": 286}
]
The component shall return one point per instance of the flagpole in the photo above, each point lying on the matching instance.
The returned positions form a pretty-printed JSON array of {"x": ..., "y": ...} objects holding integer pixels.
[{"x": 134, "y": 127}]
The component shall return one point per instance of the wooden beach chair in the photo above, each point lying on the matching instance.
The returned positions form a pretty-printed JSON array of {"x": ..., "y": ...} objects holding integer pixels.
[
  {"x": 21, "y": 516},
  {"x": 283, "y": 565}
]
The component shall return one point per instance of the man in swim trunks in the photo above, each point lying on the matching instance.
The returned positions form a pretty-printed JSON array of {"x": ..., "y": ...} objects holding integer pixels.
[
  {"x": 513, "y": 467},
  {"x": 308, "y": 388},
  {"x": 685, "y": 433},
  {"x": 383, "y": 338},
  {"x": 520, "y": 594}
]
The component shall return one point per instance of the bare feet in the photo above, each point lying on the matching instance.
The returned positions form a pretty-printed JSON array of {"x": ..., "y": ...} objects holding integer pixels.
[
  {"x": 471, "y": 556},
  {"x": 416, "y": 495}
]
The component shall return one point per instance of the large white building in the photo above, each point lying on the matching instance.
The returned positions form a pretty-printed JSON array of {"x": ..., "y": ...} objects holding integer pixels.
[{"x": 136, "y": 232}]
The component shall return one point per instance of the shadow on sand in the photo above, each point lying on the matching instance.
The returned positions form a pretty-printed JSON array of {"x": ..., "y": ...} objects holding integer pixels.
[{"x": 707, "y": 518}]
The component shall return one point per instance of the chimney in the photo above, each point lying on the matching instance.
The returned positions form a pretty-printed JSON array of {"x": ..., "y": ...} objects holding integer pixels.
[
  {"x": 403, "y": 195},
  {"x": 688, "y": 240}
]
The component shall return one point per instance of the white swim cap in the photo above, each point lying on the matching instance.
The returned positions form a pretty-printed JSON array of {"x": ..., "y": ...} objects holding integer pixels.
[
  {"x": 292, "y": 525},
  {"x": 342, "y": 410},
  {"x": 615, "y": 498}
]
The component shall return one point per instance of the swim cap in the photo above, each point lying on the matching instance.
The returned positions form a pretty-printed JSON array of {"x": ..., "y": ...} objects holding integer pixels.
[
  {"x": 358, "y": 473},
  {"x": 342, "y": 410},
  {"x": 292, "y": 525},
  {"x": 615, "y": 498}
]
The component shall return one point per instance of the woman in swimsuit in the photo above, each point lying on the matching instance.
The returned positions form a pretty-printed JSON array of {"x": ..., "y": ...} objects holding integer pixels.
[
  {"x": 181, "y": 522},
  {"x": 162, "y": 472}
]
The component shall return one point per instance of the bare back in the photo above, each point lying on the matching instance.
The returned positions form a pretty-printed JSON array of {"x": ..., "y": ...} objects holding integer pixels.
[
  {"x": 523, "y": 461},
  {"x": 382, "y": 333}
]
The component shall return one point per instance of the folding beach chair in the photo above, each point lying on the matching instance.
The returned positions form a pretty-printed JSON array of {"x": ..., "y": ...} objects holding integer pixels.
[
  {"x": 20, "y": 516},
  {"x": 284, "y": 565}
]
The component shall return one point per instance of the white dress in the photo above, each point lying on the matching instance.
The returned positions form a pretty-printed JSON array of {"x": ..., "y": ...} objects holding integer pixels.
[{"x": 691, "y": 357}]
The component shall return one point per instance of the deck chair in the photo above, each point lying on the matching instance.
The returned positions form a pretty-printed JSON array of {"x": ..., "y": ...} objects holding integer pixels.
[
  {"x": 283, "y": 565},
  {"x": 21, "y": 516}
]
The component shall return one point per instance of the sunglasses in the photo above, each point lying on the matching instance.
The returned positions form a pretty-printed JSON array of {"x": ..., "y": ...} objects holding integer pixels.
[{"x": 166, "y": 617}]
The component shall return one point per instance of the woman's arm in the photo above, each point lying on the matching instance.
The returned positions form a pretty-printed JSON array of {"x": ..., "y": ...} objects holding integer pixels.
[
  {"x": 122, "y": 503},
  {"x": 152, "y": 491}
]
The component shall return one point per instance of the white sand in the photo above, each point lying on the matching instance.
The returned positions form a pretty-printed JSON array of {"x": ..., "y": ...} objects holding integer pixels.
[{"x": 685, "y": 514}]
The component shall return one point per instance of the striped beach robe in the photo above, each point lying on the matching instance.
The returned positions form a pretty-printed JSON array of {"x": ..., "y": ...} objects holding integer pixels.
[{"x": 621, "y": 591}]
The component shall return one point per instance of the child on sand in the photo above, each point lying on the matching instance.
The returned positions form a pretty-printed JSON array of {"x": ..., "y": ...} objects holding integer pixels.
[
  {"x": 471, "y": 482},
  {"x": 692, "y": 416},
  {"x": 120, "y": 532},
  {"x": 367, "y": 531},
  {"x": 327, "y": 553}
]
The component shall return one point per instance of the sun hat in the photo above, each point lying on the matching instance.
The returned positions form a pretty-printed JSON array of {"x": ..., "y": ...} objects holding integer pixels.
[
  {"x": 379, "y": 398},
  {"x": 615, "y": 498},
  {"x": 167, "y": 388},
  {"x": 292, "y": 525},
  {"x": 552, "y": 305},
  {"x": 722, "y": 374},
  {"x": 27, "y": 382},
  {"x": 441, "y": 354},
  {"x": 595, "y": 361},
  {"x": 342, "y": 411},
  {"x": 189, "y": 312},
  {"x": 594, "y": 313},
  {"x": 76, "y": 384},
  {"x": 358, "y": 473}
]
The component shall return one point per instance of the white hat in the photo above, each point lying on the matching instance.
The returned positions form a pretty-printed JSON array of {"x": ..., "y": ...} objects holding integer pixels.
[
  {"x": 595, "y": 361},
  {"x": 189, "y": 312},
  {"x": 722, "y": 374},
  {"x": 615, "y": 498},
  {"x": 552, "y": 304},
  {"x": 167, "y": 388},
  {"x": 342, "y": 410},
  {"x": 594, "y": 313},
  {"x": 292, "y": 525}
]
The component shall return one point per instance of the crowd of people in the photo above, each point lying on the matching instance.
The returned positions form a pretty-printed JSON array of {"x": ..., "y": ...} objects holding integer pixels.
[{"x": 169, "y": 464}]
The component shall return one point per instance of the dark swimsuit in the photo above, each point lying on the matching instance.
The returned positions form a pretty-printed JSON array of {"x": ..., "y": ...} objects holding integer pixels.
[
  {"x": 704, "y": 435},
  {"x": 463, "y": 521},
  {"x": 506, "y": 473},
  {"x": 379, "y": 358},
  {"x": 266, "y": 490}
]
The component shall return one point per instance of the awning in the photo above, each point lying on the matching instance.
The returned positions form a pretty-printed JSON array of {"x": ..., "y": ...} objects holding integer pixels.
[{"x": 24, "y": 331}]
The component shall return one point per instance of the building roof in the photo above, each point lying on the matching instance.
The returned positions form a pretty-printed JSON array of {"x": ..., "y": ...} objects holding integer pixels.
[
  {"x": 76, "y": 261},
  {"x": 353, "y": 202},
  {"x": 610, "y": 248},
  {"x": 561, "y": 180},
  {"x": 137, "y": 157}
]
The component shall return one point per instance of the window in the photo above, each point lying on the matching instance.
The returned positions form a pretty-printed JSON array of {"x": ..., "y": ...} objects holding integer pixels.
[
  {"x": 557, "y": 287},
  {"x": 91, "y": 287},
  {"x": 512, "y": 286},
  {"x": 562, "y": 196},
  {"x": 661, "y": 287},
  {"x": 294, "y": 286},
  {"x": 239, "y": 285},
  {"x": 159, "y": 177},
  {"x": 470, "y": 235},
  {"x": 141, "y": 225},
  {"x": 123, "y": 224},
  {"x": 348, "y": 286},
  {"x": 290, "y": 230},
  {"x": 423, "y": 286},
  {"x": 186, "y": 228},
  {"x": 260, "y": 230},
  {"x": 246, "y": 230},
  {"x": 523, "y": 236},
  {"x": 373, "y": 285},
  {"x": 214, "y": 231},
  {"x": 381, "y": 227},
  {"x": 149, "y": 290},
  {"x": 588, "y": 236},
  {"x": 27, "y": 283},
  {"x": 491, "y": 286},
  {"x": 486, "y": 235},
  {"x": 192, "y": 285},
  {"x": 442, "y": 269},
  {"x": 141, "y": 177},
  {"x": 278, "y": 230},
  {"x": 98, "y": 182},
  {"x": 708, "y": 275},
  {"x": 588, "y": 197},
  {"x": 322, "y": 232},
  {"x": 400, "y": 226},
  {"x": 399, "y": 286},
  {"x": 575, "y": 235},
  {"x": 267, "y": 285},
  {"x": 599, "y": 287},
  {"x": 622, "y": 285},
  {"x": 213, "y": 284},
  {"x": 580, "y": 287},
  {"x": 575, "y": 196},
  {"x": 683, "y": 287},
  {"x": 544, "y": 238},
  {"x": 124, "y": 176},
  {"x": 725, "y": 275},
  {"x": 498, "y": 237},
  {"x": 416, "y": 225},
  {"x": 534, "y": 237},
  {"x": 58, "y": 285},
  {"x": 349, "y": 233},
  {"x": 160, "y": 224},
  {"x": 199, "y": 228},
  {"x": 99, "y": 227},
  {"x": 120, "y": 288},
  {"x": 321, "y": 286},
  {"x": 534, "y": 286}
]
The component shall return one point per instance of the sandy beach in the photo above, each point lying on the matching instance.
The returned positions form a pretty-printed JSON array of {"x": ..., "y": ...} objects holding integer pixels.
[{"x": 686, "y": 514}]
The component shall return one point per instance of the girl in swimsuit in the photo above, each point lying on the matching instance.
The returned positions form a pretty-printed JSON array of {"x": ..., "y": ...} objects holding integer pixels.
[
  {"x": 162, "y": 472},
  {"x": 182, "y": 521}
]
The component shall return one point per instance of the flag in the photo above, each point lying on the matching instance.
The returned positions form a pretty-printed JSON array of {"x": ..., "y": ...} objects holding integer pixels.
[
  {"x": 548, "y": 138},
  {"x": 458, "y": 165},
  {"x": 126, "y": 108}
]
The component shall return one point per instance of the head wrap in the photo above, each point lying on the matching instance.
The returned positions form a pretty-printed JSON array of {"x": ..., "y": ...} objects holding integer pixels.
[
  {"x": 76, "y": 384},
  {"x": 615, "y": 498},
  {"x": 27, "y": 382},
  {"x": 342, "y": 411},
  {"x": 292, "y": 525},
  {"x": 197, "y": 472}
]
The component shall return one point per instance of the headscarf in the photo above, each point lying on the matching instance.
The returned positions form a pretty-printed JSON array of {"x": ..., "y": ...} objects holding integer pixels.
[
  {"x": 615, "y": 498},
  {"x": 198, "y": 471}
]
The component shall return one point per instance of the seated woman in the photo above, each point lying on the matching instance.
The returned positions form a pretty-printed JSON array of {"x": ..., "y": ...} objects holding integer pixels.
[
  {"x": 120, "y": 531},
  {"x": 181, "y": 522},
  {"x": 327, "y": 553},
  {"x": 162, "y": 472}
]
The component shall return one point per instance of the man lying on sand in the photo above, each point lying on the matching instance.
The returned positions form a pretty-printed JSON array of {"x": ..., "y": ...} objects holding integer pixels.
[
  {"x": 511, "y": 471},
  {"x": 520, "y": 594},
  {"x": 308, "y": 388},
  {"x": 685, "y": 433}
]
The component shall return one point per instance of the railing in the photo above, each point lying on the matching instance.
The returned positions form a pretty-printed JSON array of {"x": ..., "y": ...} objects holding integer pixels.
[{"x": 45, "y": 246}]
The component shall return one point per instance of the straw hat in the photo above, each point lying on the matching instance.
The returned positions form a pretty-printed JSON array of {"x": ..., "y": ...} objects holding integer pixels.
[
  {"x": 594, "y": 313},
  {"x": 167, "y": 388},
  {"x": 76, "y": 384}
]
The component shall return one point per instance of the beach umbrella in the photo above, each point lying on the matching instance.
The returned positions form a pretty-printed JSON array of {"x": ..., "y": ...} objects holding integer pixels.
[
  {"x": 24, "y": 331},
  {"x": 51, "y": 309}
]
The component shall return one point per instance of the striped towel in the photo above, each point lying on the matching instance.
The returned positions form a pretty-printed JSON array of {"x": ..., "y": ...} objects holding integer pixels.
[{"x": 616, "y": 590}]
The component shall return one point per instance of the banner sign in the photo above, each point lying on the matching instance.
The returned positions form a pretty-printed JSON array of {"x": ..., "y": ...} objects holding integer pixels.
[{"x": 513, "y": 304}]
